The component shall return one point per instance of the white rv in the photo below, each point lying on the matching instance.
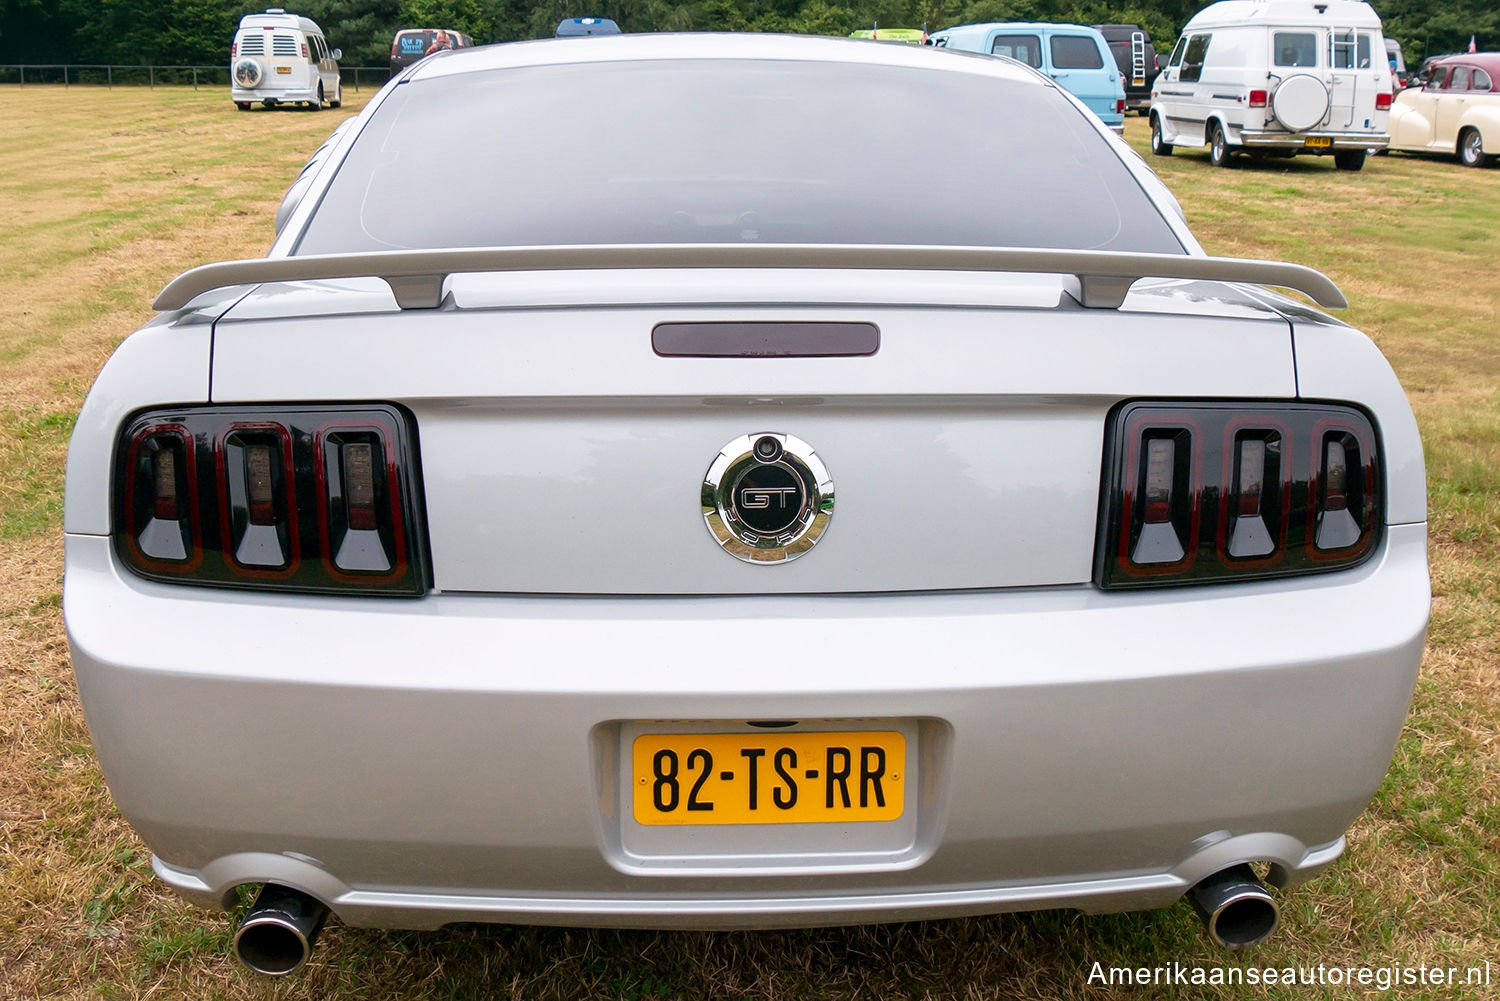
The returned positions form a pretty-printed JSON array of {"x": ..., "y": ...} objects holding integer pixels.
[
  {"x": 281, "y": 58},
  {"x": 1276, "y": 76}
]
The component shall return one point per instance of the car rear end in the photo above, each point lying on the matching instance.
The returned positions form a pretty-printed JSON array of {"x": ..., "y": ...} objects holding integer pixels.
[
  {"x": 271, "y": 64},
  {"x": 506, "y": 610},
  {"x": 1329, "y": 90}
]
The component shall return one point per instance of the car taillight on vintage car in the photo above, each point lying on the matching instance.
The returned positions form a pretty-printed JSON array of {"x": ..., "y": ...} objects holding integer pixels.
[
  {"x": 1212, "y": 492},
  {"x": 314, "y": 498}
]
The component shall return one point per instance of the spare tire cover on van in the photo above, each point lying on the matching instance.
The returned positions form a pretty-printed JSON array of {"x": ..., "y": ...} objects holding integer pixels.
[
  {"x": 1300, "y": 102},
  {"x": 247, "y": 73}
]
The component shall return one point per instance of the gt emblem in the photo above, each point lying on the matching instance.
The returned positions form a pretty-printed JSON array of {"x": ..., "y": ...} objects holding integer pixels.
[
  {"x": 754, "y": 498},
  {"x": 767, "y": 498}
]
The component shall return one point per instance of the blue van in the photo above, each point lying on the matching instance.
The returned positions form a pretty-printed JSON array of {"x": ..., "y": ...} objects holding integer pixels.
[{"x": 1075, "y": 56}]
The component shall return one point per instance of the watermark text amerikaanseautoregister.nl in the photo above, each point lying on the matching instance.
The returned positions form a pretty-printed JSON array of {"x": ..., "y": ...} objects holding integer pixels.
[{"x": 1384, "y": 978}]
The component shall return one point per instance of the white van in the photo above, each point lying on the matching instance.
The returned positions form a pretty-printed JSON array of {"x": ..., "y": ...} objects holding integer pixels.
[
  {"x": 1276, "y": 76},
  {"x": 281, "y": 58}
]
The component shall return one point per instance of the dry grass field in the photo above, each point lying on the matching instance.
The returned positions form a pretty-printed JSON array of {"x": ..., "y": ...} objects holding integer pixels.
[{"x": 104, "y": 195}]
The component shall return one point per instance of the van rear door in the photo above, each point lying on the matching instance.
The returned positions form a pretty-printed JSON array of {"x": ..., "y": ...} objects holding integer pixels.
[{"x": 1356, "y": 61}]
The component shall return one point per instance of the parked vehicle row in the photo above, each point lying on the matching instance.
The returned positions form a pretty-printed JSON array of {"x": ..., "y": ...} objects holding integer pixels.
[{"x": 282, "y": 58}]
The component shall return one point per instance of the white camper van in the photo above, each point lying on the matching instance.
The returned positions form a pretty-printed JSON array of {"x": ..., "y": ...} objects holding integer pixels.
[
  {"x": 1276, "y": 76},
  {"x": 281, "y": 58}
]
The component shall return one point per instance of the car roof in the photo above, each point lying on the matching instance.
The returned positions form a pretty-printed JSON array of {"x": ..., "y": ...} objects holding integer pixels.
[
  {"x": 695, "y": 45},
  {"x": 1021, "y": 26},
  {"x": 1285, "y": 13},
  {"x": 1487, "y": 61}
]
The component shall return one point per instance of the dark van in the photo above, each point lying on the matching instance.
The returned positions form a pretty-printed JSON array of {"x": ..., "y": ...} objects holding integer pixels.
[
  {"x": 411, "y": 44},
  {"x": 1134, "y": 54}
]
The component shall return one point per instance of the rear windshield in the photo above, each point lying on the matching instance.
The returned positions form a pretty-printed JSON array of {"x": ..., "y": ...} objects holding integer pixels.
[{"x": 731, "y": 151}]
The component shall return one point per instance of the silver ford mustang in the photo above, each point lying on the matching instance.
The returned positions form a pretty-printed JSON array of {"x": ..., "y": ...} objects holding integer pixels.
[{"x": 740, "y": 481}]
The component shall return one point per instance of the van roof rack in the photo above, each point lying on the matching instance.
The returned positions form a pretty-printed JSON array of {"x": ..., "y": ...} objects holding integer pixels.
[{"x": 417, "y": 277}]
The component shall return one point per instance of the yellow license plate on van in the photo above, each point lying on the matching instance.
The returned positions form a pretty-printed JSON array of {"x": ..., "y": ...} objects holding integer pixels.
[
  {"x": 783, "y": 778},
  {"x": 283, "y": 69},
  {"x": 1316, "y": 142}
]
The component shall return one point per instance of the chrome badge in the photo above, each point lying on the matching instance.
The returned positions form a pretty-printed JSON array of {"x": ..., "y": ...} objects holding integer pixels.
[{"x": 767, "y": 498}]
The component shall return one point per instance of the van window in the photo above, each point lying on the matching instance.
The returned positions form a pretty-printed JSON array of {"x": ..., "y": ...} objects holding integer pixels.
[
  {"x": 1023, "y": 48},
  {"x": 1076, "y": 52},
  {"x": 1350, "y": 51},
  {"x": 1192, "y": 59},
  {"x": 1176, "y": 57},
  {"x": 1295, "y": 48}
]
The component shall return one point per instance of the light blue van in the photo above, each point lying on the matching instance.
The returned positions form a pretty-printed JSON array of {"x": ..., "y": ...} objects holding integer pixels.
[{"x": 1075, "y": 56}]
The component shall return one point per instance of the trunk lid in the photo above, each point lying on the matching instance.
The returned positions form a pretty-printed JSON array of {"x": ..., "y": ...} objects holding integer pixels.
[{"x": 561, "y": 454}]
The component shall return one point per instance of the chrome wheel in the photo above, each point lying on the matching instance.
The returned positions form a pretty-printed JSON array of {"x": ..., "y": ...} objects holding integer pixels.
[{"x": 1471, "y": 149}]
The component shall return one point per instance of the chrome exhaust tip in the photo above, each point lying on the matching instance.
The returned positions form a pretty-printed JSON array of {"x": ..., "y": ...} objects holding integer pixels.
[
  {"x": 278, "y": 934},
  {"x": 1236, "y": 909}
]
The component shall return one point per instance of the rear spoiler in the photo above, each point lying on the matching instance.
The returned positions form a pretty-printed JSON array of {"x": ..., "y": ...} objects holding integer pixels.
[{"x": 416, "y": 277}]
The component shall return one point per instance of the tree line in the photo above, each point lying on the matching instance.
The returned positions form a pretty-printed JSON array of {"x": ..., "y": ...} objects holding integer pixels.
[{"x": 198, "y": 32}]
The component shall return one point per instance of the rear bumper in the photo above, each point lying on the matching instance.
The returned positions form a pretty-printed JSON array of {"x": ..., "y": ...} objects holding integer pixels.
[
  {"x": 455, "y": 758},
  {"x": 281, "y": 95},
  {"x": 1267, "y": 139}
]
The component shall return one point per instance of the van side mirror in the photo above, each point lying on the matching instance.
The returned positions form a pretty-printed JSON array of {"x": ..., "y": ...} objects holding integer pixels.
[{"x": 338, "y": 54}]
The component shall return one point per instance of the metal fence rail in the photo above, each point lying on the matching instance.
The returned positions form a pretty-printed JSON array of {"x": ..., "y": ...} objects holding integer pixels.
[{"x": 89, "y": 75}]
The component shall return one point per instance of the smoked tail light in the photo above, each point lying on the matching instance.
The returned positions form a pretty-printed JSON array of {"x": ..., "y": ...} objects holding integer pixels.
[
  {"x": 313, "y": 498},
  {"x": 1217, "y": 492},
  {"x": 1382, "y": 102},
  {"x": 1258, "y": 98}
]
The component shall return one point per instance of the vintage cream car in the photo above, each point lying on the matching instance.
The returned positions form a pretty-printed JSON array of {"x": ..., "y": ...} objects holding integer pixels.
[{"x": 1457, "y": 111}]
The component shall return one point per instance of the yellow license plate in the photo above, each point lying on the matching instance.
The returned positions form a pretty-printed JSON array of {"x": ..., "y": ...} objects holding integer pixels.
[
  {"x": 1318, "y": 143},
  {"x": 283, "y": 69},
  {"x": 781, "y": 778}
]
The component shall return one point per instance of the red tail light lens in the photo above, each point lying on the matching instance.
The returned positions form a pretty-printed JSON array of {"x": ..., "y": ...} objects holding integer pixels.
[
  {"x": 1119, "y": 105},
  {"x": 1258, "y": 98},
  {"x": 1382, "y": 102},
  {"x": 316, "y": 498},
  {"x": 1197, "y": 493}
]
